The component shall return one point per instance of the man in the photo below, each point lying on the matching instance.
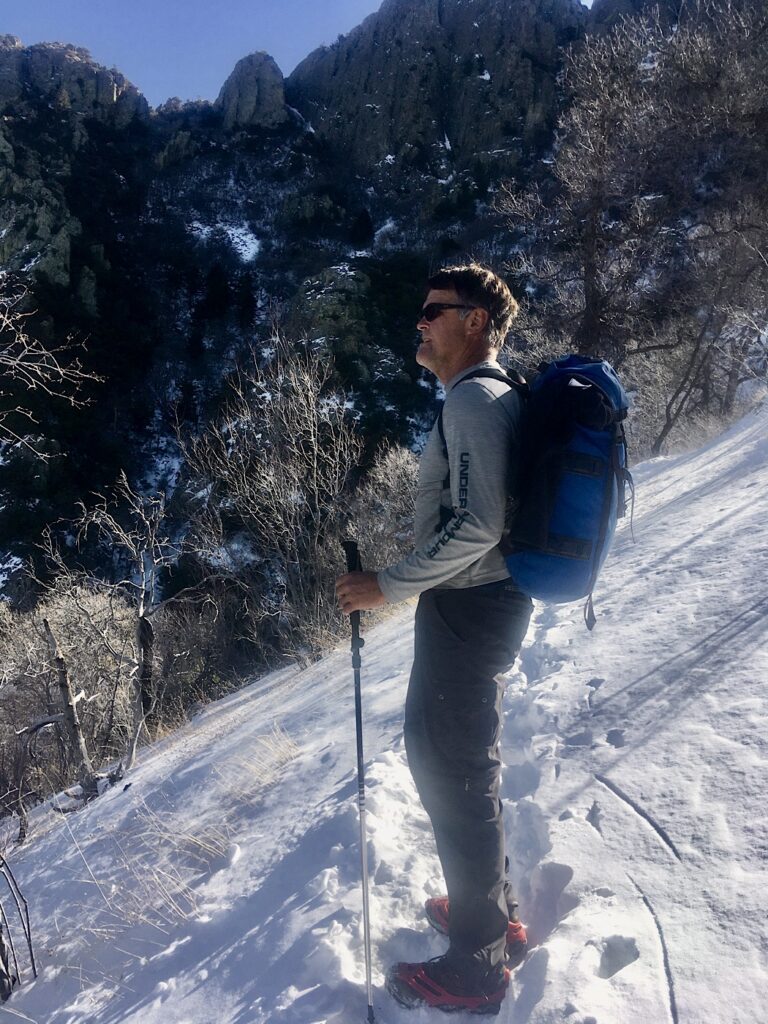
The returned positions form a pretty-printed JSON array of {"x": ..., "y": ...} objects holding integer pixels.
[{"x": 470, "y": 624}]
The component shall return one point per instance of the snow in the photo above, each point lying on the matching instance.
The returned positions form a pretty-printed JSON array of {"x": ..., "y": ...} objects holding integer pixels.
[
  {"x": 297, "y": 114},
  {"x": 222, "y": 884},
  {"x": 243, "y": 241},
  {"x": 486, "y": 76},
  {"x": 31, "y": 263},
  {"x": 9, "y": 564},
  {"x": 200, "y": 230},
  {"x": 240, "y": 237},
  {"x": 235, "y": 554},
  {"x": 386, "y": 228},
  {"x": 342, "y": 270}
]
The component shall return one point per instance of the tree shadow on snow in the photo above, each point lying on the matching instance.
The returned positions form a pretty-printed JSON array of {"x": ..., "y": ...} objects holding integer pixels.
[
  {"x": 682, "y": 678},
  {"x": 245, "y": 953}
]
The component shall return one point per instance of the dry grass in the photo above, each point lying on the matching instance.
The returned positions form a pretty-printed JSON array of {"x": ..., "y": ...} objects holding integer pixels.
[
  {"x": 259, "y": 766},
  {"x": 156, "y": 866}
]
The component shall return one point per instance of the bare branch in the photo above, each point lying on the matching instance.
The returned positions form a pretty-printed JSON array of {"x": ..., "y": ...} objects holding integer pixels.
[{"x": 54, "y": 371}]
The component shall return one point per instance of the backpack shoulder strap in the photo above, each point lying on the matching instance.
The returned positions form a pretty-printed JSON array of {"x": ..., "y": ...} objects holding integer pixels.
[{"x": 516, "y": 383}]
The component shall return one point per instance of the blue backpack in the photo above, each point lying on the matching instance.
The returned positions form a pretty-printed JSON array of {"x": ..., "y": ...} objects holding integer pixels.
[{"x": 572, "y": 480}]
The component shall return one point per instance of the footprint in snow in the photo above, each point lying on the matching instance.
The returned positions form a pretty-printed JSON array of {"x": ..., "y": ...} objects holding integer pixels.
[
  {"x": 520, "y": 780},
  {"x": 227, "y": 859},
  {"x": 527, "y": 824},
  {"x": 549, "y": 900},
  {"x": 385, "y": 874},
  {"x": 568, "y": 1011},
  {"x": 580, "y": 739},
  {"x": 594, "y": 816},
  {"x": 616, "y": 737},
  {"x": 617, "y": 952}
]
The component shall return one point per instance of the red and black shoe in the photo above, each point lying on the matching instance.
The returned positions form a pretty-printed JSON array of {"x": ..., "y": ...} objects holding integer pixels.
[
  {"x": 438, "y": 912},
  {"x": 438, "y": 984}
]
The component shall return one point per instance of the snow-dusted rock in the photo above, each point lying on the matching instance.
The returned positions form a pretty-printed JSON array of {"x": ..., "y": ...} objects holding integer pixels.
[{"x": 253, "y": 95}]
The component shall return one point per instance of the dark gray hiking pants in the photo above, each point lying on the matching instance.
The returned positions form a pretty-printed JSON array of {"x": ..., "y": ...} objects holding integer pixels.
[{"x": 463, "y": 639}]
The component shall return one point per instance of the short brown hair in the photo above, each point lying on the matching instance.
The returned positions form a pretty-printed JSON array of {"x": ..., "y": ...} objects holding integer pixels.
[{"x": 481, "y": 287}]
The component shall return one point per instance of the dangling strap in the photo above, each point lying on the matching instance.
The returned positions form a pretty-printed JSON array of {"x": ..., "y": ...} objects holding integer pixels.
[
  {"x": 631, "y": 483},
  {"x": 590, "y": 618}
]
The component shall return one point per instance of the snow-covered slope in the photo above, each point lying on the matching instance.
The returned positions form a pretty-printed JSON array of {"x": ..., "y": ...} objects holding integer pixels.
[{"x": 223, "y": 883}]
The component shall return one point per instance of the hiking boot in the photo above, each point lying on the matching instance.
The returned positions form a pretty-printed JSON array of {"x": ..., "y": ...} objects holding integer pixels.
[
  {"x": 438, "y": 911},
  {"x": 439, "y": 984}
]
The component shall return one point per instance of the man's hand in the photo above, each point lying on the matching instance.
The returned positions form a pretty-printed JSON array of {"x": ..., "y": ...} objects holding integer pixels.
[{"x": 357, "y": 591}]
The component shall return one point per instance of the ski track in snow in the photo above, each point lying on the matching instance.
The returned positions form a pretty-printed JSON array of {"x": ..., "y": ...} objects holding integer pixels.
[{"x": 223, "y": 884}]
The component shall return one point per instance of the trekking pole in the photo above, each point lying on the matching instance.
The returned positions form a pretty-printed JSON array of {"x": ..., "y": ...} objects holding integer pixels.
[{"x": 354, "y": 565}]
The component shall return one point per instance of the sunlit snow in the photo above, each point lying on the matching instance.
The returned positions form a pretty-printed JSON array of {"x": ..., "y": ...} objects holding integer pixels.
[{"x": 240, "y": 237}]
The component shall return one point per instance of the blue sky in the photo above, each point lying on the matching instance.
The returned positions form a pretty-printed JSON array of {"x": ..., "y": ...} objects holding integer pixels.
[{"x": 183, "y": 48}]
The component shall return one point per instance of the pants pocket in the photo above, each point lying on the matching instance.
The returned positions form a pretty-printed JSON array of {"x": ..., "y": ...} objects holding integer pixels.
[
  {"x": 492, "y": 623},
  {"x": 466, "y": 726}
]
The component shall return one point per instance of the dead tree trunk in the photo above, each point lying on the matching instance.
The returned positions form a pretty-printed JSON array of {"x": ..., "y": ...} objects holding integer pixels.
[
  {"x": 707, "y": 337},
  {"x": 143, "y": 698},
  {"x": 18, "y": 791},
  {"x": 78, "y": 752}
]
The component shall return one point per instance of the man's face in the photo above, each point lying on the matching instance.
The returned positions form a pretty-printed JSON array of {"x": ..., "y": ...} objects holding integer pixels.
[{"x": 444, "y": 339}]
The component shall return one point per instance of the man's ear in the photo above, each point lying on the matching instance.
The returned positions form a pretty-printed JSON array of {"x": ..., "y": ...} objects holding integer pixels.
[{"x": 478, "y": 319}]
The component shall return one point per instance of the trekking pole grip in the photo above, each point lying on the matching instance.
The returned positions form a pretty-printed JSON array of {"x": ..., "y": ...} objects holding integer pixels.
[
  {"x": 352, "y": 552},
  {"x": 354, "y": 565}
]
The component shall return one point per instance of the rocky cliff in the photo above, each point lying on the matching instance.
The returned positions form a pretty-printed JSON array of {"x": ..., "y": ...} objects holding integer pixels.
[
  {"x": 253, "y": 95},
  {"x": 438, "y": 85},
  {"x": 55, "y": 103},
  {"x": 66, "y": 77}
]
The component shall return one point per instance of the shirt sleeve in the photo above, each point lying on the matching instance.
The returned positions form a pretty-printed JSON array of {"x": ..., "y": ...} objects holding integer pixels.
[{"x": 479, "y": 433}]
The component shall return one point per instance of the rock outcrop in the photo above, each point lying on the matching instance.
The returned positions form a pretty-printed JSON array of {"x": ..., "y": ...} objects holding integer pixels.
[
  {"x": 254, "y": 94},
  {"x": 435, "y": 85},
  {"x": 66, "y": 77},
  {"x": 52, "y": 96}
]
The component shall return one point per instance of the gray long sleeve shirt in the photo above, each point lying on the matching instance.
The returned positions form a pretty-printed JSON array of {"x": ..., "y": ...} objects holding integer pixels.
[{"x": 481, "y": 423}]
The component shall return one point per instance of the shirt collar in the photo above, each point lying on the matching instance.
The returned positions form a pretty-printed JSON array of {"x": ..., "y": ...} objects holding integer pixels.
[{"x": 467, "y": 371}]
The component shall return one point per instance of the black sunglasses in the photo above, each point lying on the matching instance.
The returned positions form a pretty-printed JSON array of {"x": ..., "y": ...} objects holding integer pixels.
[{"x": 432, "y": 310}]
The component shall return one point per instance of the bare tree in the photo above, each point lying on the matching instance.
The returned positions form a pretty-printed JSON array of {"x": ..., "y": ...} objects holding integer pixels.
[
  {"x": 648, "y": 241},
  {"x": 272, "y": 479},
  {"x": 57, "y": 693},
  {"x": 85, "y": 671},
  {"x": 383, "y": 506},
  {"x": 133, "y": 529},
  {"x": 27, "y": 365},
  {"x": 602, "y": 234},
  {"x": 72, "y": 728},
  {"x": 67, "y": 717}
]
